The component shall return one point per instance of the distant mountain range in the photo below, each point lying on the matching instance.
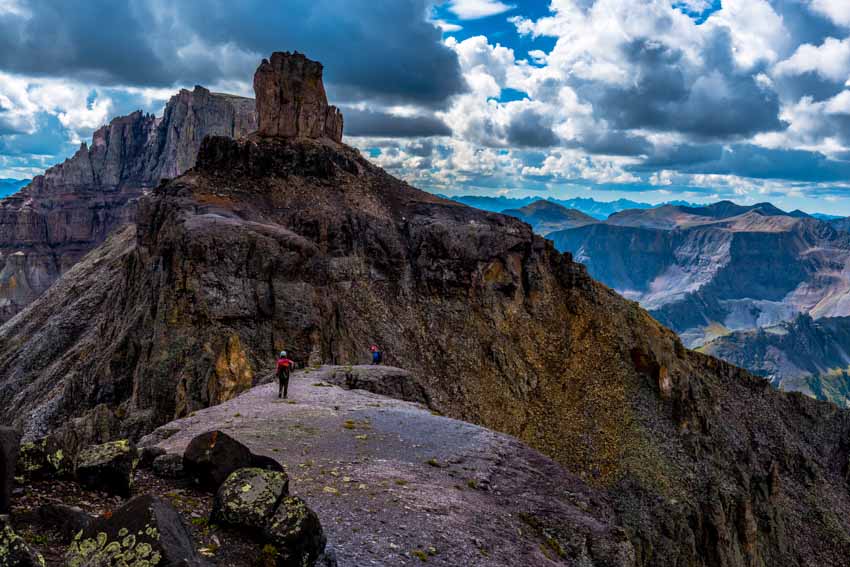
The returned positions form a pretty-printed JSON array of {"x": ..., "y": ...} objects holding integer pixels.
[
  {"x": 600, "y": 210},
  {"x": 707, "y": 271},
  {"x": 9, "y": 186}
]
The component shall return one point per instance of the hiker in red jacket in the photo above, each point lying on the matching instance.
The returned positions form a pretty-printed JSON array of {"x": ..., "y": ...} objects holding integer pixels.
[
  {"x": 284, "y": 369},
  {"x": 377, "y": 355}
]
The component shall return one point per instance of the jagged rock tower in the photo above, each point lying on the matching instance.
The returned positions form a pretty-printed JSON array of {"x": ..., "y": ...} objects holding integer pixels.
[{"x": 291, "y": 99}]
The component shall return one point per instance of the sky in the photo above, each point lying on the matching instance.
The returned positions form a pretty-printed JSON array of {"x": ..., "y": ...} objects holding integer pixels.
[{"x": 652, "y": 100}]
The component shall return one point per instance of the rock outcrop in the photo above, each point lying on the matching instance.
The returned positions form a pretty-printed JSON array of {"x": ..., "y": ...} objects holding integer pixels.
[
  {"x": 275, "y": 242},
  {"x": 291, "y": 99},
  {"x": 49, "y": 225}
]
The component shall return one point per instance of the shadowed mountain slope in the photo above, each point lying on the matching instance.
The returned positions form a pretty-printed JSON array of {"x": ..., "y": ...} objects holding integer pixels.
[{"x": 546, "y": 217}]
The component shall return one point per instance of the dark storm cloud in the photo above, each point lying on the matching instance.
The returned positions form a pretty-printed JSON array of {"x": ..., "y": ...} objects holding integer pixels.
[
  {"x": 746, "y": 160},
  {"x": 615, "y": 143},
  {"x": 379, "y": 124},
  {"x": 529, "y": 129},
  {"x": 720, "y": 103},
  {"x": 680, "y": 156},
  {"x": 370, "y": 48}
]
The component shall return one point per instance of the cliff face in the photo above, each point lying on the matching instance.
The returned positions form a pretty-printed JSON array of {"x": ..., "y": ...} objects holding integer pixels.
[
  {"x": 803, "y": 355},
  {"x": 708, "y": 271},
  {"x": 298, "y": 242},
  {"x": 53, "y": 222}
]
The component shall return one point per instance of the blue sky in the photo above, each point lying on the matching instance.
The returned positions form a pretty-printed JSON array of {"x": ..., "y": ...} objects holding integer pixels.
[{"x": 653, "y": 100}]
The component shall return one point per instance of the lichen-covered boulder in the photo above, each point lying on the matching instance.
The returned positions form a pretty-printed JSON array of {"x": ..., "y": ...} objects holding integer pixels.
[
  {"x": 296, "y": 533},
  {"x": 109, "y": 467},
  {"x": 212, "y": 456},
  {"x": 43, "y": 458},
  {"x": 169, "y": 466},
  {"x": 249, "y": 498},
  {"x": 14, "y": 551},
  {"x": 146, "y": 532},
  {"x": 10, "y": 444}
]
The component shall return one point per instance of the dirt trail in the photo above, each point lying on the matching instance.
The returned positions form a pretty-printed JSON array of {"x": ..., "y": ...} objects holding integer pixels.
[{"x": 393, "y": 483}]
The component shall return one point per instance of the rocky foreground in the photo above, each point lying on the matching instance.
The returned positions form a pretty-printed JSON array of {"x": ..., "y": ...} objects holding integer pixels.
[{"x": 391, "y": 483}]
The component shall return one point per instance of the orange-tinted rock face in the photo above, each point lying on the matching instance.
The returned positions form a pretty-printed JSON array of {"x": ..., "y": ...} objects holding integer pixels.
[
  {"x": 291, "y": 99},
  {"x": 51, "y": 224}
]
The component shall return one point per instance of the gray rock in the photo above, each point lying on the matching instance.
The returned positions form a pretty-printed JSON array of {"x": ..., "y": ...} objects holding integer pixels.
[
  {"x": 211, "y": 457},
  {"x": 169, "y": 466},
  {"x": 147, "y": 456},
  {"x": 296, "y": 533},
  {"x": 249, "y": 498},
  {"x": 383, "y": 380},
  {"x": 108, "y": 468}
]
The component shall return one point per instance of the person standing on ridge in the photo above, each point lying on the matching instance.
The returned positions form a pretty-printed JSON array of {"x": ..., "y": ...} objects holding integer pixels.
[
  {"x": 377, "y": 355},
  {"x": 284, "y": 369}
]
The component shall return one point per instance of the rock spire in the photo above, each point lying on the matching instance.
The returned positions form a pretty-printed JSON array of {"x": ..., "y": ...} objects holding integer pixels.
[{"x": 291, "y": 99}]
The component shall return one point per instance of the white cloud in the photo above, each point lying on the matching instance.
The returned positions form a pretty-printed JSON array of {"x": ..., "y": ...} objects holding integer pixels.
[
  {"x": 757, "y": 30},
  {"x": 830, "y": 60},
  {"x": 475, "y": 9},
  {"x": 836, "y": 10}
]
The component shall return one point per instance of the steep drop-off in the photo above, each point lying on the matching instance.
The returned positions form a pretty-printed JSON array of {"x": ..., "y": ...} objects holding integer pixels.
[
  {"x": 52, "y": 223},
  {"x": 298, "y": 242}
]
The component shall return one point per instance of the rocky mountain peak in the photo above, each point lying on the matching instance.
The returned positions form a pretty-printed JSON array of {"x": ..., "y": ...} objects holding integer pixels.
[{"x": 291, "y": 99}]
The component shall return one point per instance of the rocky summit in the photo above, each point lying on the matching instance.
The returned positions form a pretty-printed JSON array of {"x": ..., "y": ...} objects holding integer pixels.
[
  {"x": 53, "y": 222},
  {"x": 287, "y": 238},
  {"x": 291, "y": 100}
]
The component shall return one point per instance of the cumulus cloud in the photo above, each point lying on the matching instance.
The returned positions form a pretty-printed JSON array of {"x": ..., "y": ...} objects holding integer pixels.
[{"x": 475, "y": 9}]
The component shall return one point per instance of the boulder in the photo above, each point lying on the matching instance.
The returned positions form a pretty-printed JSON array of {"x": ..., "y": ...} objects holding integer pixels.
[
  {"x": 382, "y": 380},
  {"x": 296, "y": 533},
  {"x": 43, "y": 458},
  {"x": 291, "y": 99},
  {"x": 109, "y": 467},
  {"x": 147, "y": 455},
  {"x": 169, "y": 466},
  {"x": 249, "y": 498},
  {"x": 14, "y": 551},
  {"x": 147, "y": 530},
  {"x": 10, "y": 444},
  {"x": 212, "y": 456}
]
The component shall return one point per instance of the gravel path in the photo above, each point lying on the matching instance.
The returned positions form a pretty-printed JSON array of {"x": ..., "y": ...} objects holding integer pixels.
[{"x": 393, "y": 483}]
